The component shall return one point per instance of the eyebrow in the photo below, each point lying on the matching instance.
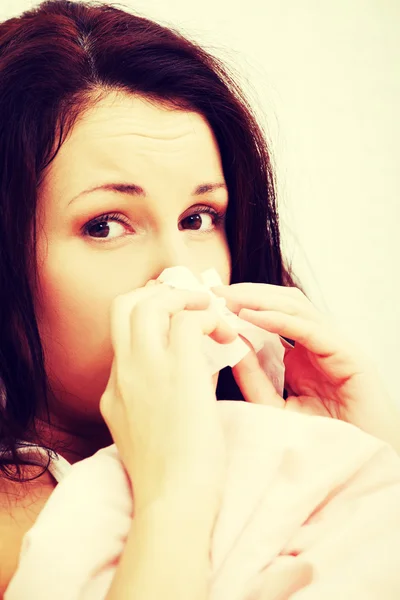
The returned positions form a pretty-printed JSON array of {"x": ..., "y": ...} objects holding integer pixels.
[{"x": 132, "y": 189}]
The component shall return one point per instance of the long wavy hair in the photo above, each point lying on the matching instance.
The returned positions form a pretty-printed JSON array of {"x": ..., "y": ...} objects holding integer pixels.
[{"x": 56, "y": 61}]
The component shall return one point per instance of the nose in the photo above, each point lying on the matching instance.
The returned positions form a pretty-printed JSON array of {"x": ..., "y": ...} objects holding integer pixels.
[{"x": 172, "y": 250}]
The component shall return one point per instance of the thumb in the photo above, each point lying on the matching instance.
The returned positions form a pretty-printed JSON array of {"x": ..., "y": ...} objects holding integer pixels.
[{"x": 254, "y": 384}]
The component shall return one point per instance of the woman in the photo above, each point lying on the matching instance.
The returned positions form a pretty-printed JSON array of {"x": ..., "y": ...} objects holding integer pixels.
[{"x": 91, "y": 349}]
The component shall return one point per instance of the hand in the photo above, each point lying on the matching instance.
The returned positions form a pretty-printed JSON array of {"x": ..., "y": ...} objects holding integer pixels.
[
  {"x": 159, "y": 403},
  {"x": 325, "y": 373}
]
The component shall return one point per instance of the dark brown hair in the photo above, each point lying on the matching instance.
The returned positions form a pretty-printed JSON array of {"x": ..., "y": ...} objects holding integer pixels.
[{"x": 56, "y": 61}]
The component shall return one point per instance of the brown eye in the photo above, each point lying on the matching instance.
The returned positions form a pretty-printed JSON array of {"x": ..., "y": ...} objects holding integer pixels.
[
  {"x": 99, "y": 229},
  {"x": 101, "y": 226},
  {"x": 195, "y": 221}
]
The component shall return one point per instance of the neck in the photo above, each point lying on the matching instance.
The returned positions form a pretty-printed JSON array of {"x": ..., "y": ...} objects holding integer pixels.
[{"x": 74, "y": 441}]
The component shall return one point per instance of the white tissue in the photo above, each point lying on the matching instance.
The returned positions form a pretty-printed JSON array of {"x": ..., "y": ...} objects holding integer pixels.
[{"x": 268, "y": 346}]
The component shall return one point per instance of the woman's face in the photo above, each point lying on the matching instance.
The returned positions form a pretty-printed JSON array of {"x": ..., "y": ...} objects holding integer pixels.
[{"x": 83, "y": 265}]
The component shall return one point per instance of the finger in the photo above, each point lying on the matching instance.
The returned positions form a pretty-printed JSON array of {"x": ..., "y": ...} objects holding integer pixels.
[
  {"x": 223, "y": 333},
  {"x": 217, "y": 327},
  {"x": 188, "y": 329},
  {"x": 264, "y": 296},
  {"x": 151, "y": 319},
  {"x": 318, "y": 337},
  {"x": 141, "y": 318},
  {"x": 283, "y": 580},
  {"x": 253, "y": 382}
]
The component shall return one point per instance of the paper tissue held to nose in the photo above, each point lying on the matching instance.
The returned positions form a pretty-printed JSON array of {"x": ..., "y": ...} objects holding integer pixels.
[{"x": 268, "y": 346}]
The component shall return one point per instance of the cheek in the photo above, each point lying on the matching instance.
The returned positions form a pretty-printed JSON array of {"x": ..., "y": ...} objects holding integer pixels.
[
  {"x": 222, "y": 263},
  {"x": 73, "y": 314}
]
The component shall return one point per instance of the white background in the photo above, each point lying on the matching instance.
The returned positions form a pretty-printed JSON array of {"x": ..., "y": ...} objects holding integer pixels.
[{"x": 324, "y": 78}]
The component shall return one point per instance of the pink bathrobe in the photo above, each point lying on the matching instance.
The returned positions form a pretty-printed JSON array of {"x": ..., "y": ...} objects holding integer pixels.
[{"x": 311, "y": 487}]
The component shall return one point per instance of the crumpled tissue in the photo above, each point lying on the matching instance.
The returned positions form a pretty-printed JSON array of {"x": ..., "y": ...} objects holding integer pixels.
[{"x": 268, "y": 346}]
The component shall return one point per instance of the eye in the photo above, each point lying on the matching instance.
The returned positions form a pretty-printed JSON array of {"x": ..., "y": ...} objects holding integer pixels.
[
  {"x": 100, "y": 226},
  {"x": 195, "y": 220}
]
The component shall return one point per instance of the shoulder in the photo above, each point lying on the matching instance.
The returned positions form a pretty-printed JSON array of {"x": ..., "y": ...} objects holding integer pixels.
[{"x": 20, "y": 505}]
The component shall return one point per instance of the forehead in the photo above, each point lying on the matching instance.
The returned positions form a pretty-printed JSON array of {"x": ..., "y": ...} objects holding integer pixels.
[
  {"x": 133, "y": 121},
  {"x": 148, "y": 118},
  {"x": 125, "y": 135}
]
